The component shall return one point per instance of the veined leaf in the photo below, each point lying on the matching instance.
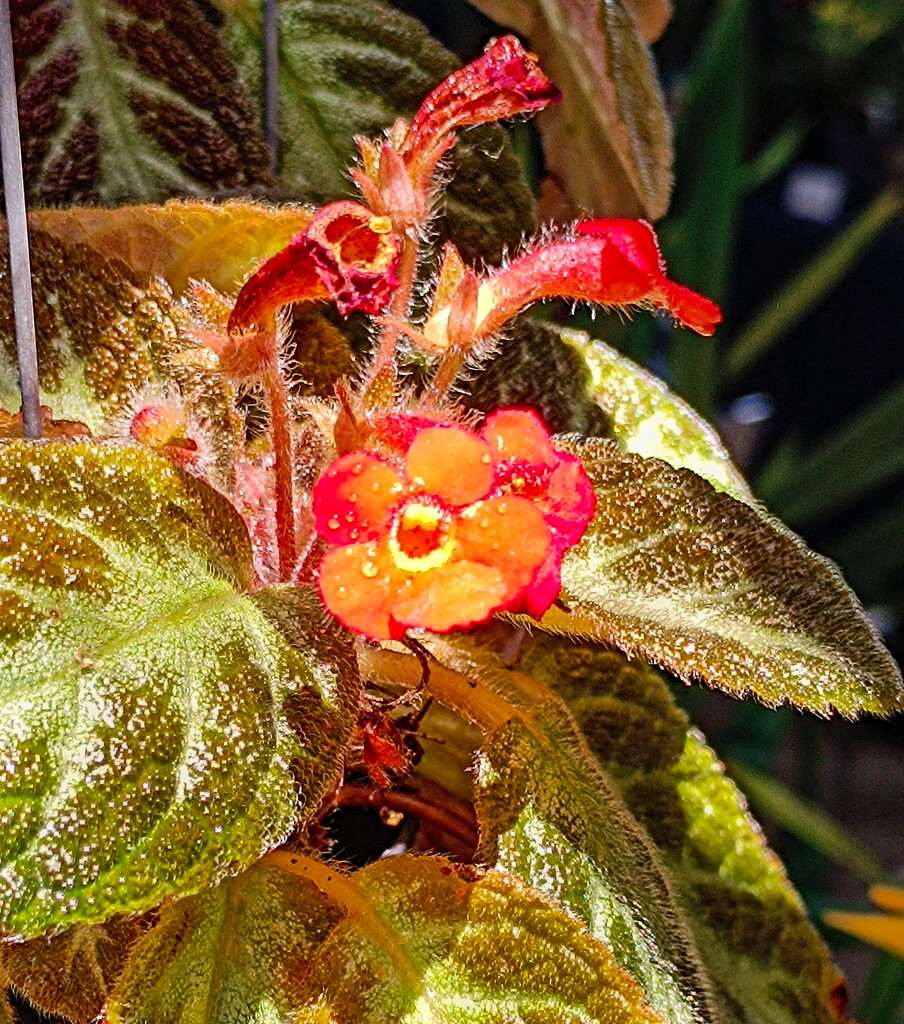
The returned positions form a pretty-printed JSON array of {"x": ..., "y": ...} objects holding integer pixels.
[
  {"x": 650, "y": 420},
  {"x": 102, "y": 338},
  {"x": 609, "y": 142},
  {"x": 128, "y": 102},
  {"x": 765, "y": 962},
  {"x": 348, "y": 69},
  {"x": 220, "y": 243},
  {"x": 537, "y": 367},
  {"x": 549, "y": 815},
  {"x": 71, "y": 973},
  {"x": 714, "y": 589},
  {"x": 413, "y": 939},
  {"x": 159, "y": 727}
]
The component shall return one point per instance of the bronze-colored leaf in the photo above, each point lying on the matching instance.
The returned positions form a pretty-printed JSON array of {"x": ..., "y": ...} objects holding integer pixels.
[
  {"x": 130, "y": 100},
  {"x": 608, "y": 144},
  {"x": 71, "y": 973},
  {"x": 102, "y": 339},
  {"x": 714, "y": 589}
]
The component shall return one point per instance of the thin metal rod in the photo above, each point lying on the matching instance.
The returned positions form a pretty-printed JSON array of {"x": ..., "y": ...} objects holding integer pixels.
[
  {"x": 271, "y": 79},
  {"x": 17, "y": 232}
]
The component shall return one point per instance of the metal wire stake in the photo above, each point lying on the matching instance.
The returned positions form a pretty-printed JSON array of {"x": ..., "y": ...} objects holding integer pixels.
[
  {"x": 17, "y": 232},
  {"x": 271, "y": 79}
]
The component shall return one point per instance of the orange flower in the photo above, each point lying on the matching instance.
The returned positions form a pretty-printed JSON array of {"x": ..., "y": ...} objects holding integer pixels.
[{"x": 448, "y": 526}]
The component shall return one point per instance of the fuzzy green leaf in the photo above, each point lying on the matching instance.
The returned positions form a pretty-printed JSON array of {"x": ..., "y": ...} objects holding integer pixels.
[
  {"x": 122, "y": 101},
  {"x": 414, "y": 939},
  {"x": 353, "y": 69},
  {"x": 609, "y": 142},
  {"x": 650, "y": 420},
  {"x": 159, "y": 727},
  {"x": 765, "y": 962},
  {"x": 714, "y": 589},
  {"x": 105, "y": 333}
]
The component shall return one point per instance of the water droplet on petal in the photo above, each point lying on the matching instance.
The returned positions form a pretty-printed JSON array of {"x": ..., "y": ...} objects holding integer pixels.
[
  {"x": 370, "y": 570},
  {"x": 483, "y": 523},
  {"x": 486, "y": 459},
  {"x": 333, "y": 523},
  {"x": 502, "y": 508},
  {"x": 349, "y": 517}
]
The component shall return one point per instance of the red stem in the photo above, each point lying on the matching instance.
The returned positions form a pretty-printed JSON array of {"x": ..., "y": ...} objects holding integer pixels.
[
  {"x": 396, "y": 311},
  {"x": 281, "y": 436}
]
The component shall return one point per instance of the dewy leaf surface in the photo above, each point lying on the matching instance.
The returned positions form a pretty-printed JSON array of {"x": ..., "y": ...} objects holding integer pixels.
[
  {"x": 405, "y": 939},
  {"x": 221, "y": 243},
  {"x": 351, "y": 69},
  {"x": 765, "y": 961},
  {"x": 550, "y": 815},
  {"x": 609, "y": 141},
  {"x": 102, "y": 337},
  {"x": 650, "y": 420},
  {"x": 713, "y": 589},
  {"x": 159, "y": 728},
  {"x": 127, "y": 101}
]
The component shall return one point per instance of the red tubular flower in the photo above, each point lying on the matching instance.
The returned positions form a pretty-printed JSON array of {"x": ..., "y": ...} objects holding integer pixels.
[
  {"x": 613, "y": 262},
  {"x": 345, "y": 255},
  {"x": 503, "y": 82},
  {"x": 450, "y": 528}
]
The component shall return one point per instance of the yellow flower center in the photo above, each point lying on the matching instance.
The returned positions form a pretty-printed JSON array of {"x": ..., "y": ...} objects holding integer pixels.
[{"x": 421, "y": 538}]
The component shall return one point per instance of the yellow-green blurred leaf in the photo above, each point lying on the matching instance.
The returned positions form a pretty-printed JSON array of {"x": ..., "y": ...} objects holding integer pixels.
[
  {"x": 221, "y": 243},
  {"x": 650, "y": 420}
]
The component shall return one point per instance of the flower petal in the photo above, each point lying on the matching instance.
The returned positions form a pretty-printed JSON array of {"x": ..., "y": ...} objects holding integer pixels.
[
  {"x": 506, "y": 532},
  {"x": 353, "y": 500},
  {"x": 457, "y": 595},
  {"x": 569, "y": 502},
  {"x": 450, "y": 463},
  {"x": 358, "y": 584},
  {"x": 519, "y": 434}
]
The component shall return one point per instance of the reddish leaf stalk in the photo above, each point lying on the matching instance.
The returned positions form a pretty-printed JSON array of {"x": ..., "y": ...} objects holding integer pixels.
[{"x": 281, "y": 436}]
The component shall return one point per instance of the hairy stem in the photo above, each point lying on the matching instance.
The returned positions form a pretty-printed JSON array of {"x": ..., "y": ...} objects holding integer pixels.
[
  {"x": 281, "y": 435},
  {"x": 383, "y": 367}
]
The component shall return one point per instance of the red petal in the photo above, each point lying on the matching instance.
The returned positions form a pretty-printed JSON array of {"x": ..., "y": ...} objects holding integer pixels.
[
  {"x": 353, "y": 500},
  {"x": 634, "y": 238},
  {"x": 358, "y": 584},
  {"x": 519, "y": 434},
  {"x": 504, "y": 81},
  {"x": 459, "y": 594},
  {"x": 450, "y": 463},
  {"x": 692, "y": 309}
]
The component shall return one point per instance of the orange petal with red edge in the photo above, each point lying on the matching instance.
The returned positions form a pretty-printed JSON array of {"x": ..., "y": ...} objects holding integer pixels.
[
  {"x": 450, "y": 463},
  {"x": 358, "y": 584},
  {"x": 459, "y": 594},
  {"x": 519, "y": 434},
  {"x": 353, "y": 500},
  {"x": 507, "y": 532}
]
